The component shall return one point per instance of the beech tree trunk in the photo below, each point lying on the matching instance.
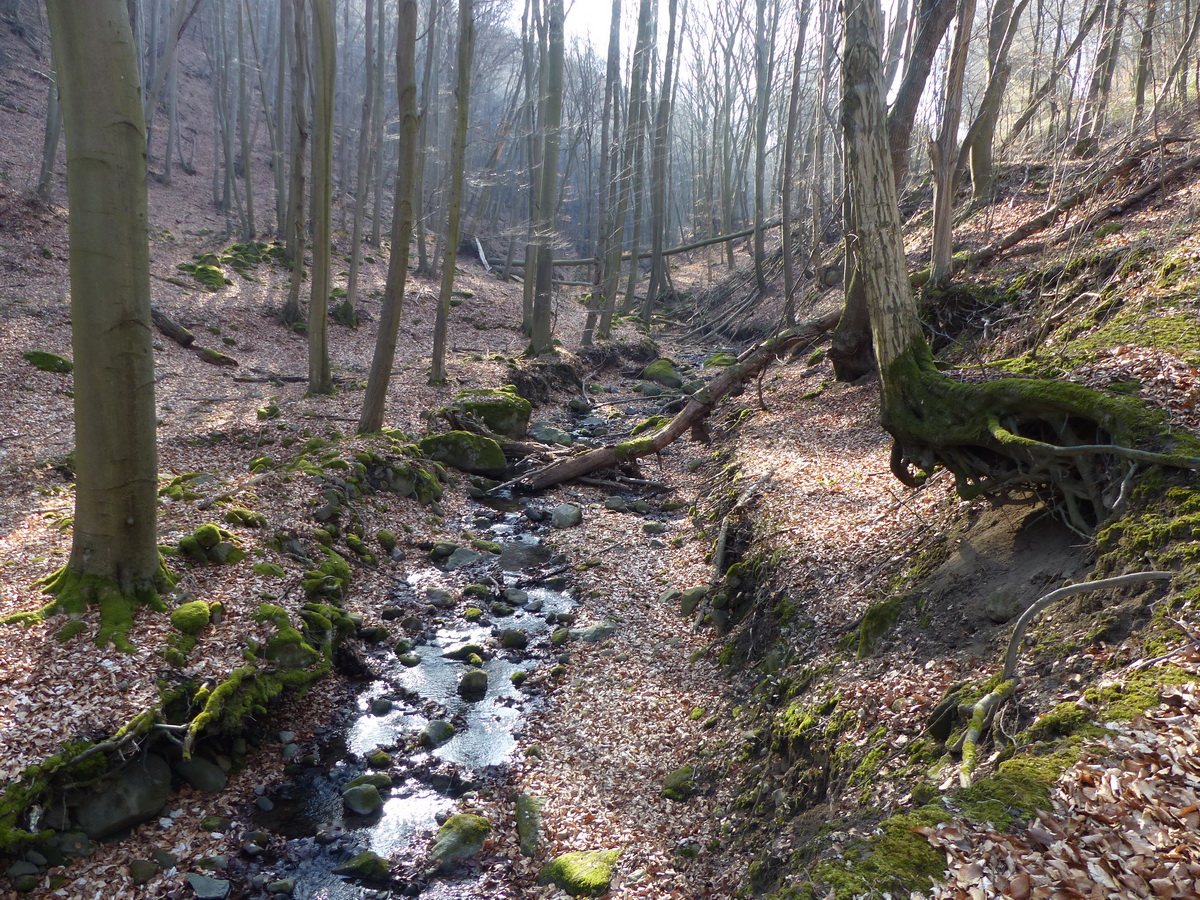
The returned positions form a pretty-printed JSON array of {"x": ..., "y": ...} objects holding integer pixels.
[
  {"x": 944, "y": 150},
  {"x": 114, "y": 552},
  {"x": 458, "y": 148},
  {"x": 320, "y": 380},
  {"x": 371, "y": 419},
  {"x": 550, "y": 121}
]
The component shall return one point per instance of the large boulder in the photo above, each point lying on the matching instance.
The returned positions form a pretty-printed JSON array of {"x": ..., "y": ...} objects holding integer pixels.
[
  {"x": 584, "y": 873},
  {"x": 461, "y": 837},
  {"x": 367, "y": 866},
  {"x": 502, "y": 411},
  {"x": 662, "y": 371},
  {"x": 203, "y": 775},
  {"x": 466, "y": 452},
  {"x": 126, "y": 798}
]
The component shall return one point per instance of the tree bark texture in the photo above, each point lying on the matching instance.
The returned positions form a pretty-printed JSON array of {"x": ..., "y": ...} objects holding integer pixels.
[{"x": 116, "y": 498}]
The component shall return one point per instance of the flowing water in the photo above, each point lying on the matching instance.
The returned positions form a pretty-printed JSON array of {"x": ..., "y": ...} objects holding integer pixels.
[{"x": 427, "y": 784}]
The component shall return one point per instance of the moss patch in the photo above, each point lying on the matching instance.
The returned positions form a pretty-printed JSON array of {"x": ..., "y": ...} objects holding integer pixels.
[
  {"x": 502, "y": 411},
  {"x": 191, "y": 618},
  {"x": 48, "y": 362},
  {"x": 586, "y": 873},
  {"x": 467, "y": 452}
]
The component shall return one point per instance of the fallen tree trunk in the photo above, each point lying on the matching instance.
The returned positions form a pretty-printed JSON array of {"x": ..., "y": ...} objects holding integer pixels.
[
  {"x": 171, "y": 328},
  {"x": 748, "y": 366}
]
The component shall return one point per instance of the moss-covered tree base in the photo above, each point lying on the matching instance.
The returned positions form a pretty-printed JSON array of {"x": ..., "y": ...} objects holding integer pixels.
[
  {"x": 75, "y": 591},
  {"x": 1019, "y": 440}
]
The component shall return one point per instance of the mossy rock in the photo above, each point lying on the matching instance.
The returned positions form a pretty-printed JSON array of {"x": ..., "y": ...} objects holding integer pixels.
[
  {"x": 502, "y": 411},
  {"x": 467, "y": 452},
  {"x": 584, "y": 873},
  {"x": 461, "y": 837},
  {"x": 387, "y": 540},
  {"x": 680, "y": 784},
  {"x": 208, "y": 276},
  {"x": 367, "y": 866},
  {"x": 268, "y": 570},
  {"x": 191, "y": 618},
  {"x": 211, "y": 544},
  {"x": 246, "y": 518},
  {"x": 720, "y": 360},
  {"x": 662, "y": 371},
  {"x": 48, "y": 362}
]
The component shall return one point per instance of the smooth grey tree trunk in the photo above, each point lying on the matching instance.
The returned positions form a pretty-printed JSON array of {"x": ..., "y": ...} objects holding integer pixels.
[
  {"x": 542, "y": 332},
  {"x": 371, "y": 419},
  {"x": 458, "y": 149},
  {"x": 114, "y": 552},
  {"x": 320, "y": 380}
]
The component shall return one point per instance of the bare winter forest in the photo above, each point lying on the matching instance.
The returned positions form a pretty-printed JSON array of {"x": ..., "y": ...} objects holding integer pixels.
[{"x": 648, "y": 449}]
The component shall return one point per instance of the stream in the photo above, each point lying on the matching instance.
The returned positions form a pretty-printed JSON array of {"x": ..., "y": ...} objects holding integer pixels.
[{"x": 414, "y": 689}]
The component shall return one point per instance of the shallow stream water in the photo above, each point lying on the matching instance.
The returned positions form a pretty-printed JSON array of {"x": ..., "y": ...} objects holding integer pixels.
[{"x": 427, "y": 784}]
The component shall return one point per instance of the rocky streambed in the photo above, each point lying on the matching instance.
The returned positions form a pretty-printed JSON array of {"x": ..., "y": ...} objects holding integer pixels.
[{"x": 433, "y": 731}]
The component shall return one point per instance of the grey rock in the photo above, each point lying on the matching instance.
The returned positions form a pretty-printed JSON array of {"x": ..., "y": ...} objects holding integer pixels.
[
  {"x": 165, "y": 859},
  {"x": 566, "y": 515},
  {"x": 128, "y": 797},
  {"x": 26, "y": 884},
  {"x": 670, "y": 595},
  {"x": 501, "y": 610},
  {"x": 201, "y": 774},
  {"x": 516, "y": 596},
  {"x": 691, "y": 598},
  {"x": 514, "y": 639},
  {"x": 442, "y": 599},
  {"x": 462, "y": 557},
  {"x": 282, "y": 886},
  {"x": 529, "y": 822},
  {"x": 22, "y": 867},
  {"x": 549, "y": 434},
  {"x": 594, "y": 633},
  {"x": 381, "y": 706},
  {"x": 579, "y": 405},
  {"x": 534, "y": 606},
  {"x": 654, "y": 527},
  {"x": 1005, "y": 604},
  {"x": 362, "y": 799},
  {"x": 616, "y": 503},
  {"x": 208, "y": 888}
]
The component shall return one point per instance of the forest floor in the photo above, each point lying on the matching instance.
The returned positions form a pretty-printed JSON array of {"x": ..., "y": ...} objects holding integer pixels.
[{"x": 838, "y": 533}]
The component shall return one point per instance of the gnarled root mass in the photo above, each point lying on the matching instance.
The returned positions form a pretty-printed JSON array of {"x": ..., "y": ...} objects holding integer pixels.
[{"x": 1019, "y": 440}]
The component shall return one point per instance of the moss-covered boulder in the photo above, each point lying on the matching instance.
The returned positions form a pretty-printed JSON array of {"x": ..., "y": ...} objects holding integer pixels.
[
  {"x": 501, "y": 411},
  {"x": 680, "y": 784},
  {"x": 461, "y": 837},
  {"x": 436, "y": 733},
  {"x": 362, "y": 799},
  {"x": 584, "y": 873},
  {"x": 367, "y": 866},
  {"x": 662, "y": 371},
  {"x": 473, "y": 685},
  {"x": 467, "y": 452},
  {"x": 720, "y": 359},
  {"x": 210, "y": 544},
  {"x": 191, "y": 618},
  {"x": 48, "y": 362}
]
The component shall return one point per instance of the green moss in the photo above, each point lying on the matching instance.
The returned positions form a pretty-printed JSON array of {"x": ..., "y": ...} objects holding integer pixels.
[
  {"x": 48, "y": 362},
  {"x": 634, "y": 449},
  {"x": 468, "y": 452},
  {"x": 662, "y": 371},
  {"x": 70, "y": 629},
  {"x": 1012, "y": 795},
  {"x": 652, "y": 424},
  {"x": 190, "y": 618},
  {"x": 245, "y": 517},
  {"x": 895, "y": 859},
  {"x": 502, "y": 411},
  {"x": 387, "y": 540},
  {"x": 74, "y": 592},
  {"x": 720, "y": 360},
  {"x": 876, "y": 622},
  {"x": 1137, "y": 693},
  {"x": 585, "y": 873}
]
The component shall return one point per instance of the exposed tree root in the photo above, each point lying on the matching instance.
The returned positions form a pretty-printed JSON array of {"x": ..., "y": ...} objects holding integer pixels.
[
  {"x": 985, "y": 709},
  {"x": 1020, "y": 440},
  {"x": 699, "y": 405}
]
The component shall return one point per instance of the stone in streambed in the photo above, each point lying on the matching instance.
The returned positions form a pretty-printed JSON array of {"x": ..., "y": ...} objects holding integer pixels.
[
  {"x": 566, "y": 515},
  {"x": 362, "y": 799},
  {"x": 209, "y": 888},
  {"x": 473, "y": 685},
  {"x": 584, "y": 873},
  {"x": 461, "y": 837},
  {"x": 435, "y": 733},
  {"x": 367, "y": 866}
]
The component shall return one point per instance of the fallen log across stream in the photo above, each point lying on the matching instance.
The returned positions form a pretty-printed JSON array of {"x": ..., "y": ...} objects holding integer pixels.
[{"x": 749, "y": 365}]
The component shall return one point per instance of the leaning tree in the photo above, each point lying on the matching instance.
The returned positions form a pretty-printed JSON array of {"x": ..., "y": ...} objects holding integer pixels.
[
  {"x": 114, "y": 560},
  {"x": 1010, "y": 439}
]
